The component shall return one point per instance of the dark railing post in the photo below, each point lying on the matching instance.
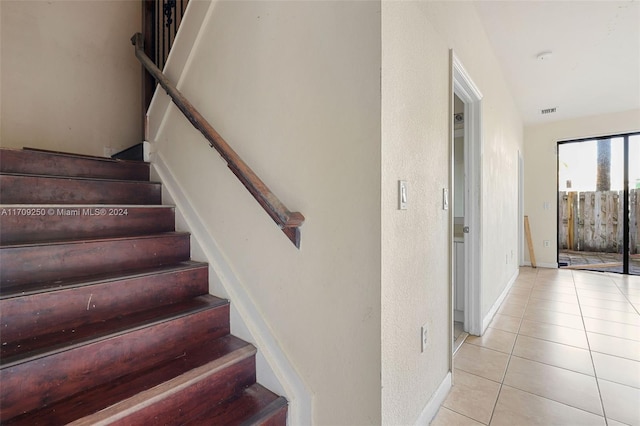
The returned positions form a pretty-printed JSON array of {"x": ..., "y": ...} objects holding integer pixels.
[
  {"x": 160, "y": 23},
  {"x": 149, "y": 39}
]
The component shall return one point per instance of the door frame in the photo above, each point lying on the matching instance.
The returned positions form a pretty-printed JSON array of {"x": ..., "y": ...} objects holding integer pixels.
[{"x": 464, "y": 87}]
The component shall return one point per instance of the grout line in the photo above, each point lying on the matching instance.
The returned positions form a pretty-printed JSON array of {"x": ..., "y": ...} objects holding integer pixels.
[
  {"x": 626, "y": 296},
  {"x": 540, "y": 280},
  {"x": 463, "y": 415},
  {"x": 495, "y": 404},
  {"x": 595, "y": 372}
]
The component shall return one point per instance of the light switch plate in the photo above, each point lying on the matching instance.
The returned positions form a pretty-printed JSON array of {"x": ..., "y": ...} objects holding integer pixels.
[
  {"x": 445, "y": 199},
  {"x": 424, "y": 337},
  {"x": 402, "y": 195}
]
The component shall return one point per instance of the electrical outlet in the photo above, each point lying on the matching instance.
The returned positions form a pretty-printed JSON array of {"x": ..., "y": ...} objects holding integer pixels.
[
  {"x": 546, "y": 243},
  {"x": 424, "y": 338}
]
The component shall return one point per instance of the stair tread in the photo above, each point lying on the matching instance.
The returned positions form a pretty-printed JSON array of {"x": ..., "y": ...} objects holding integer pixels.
[
  {"x": 253, "y": 404},
  {"x": 13, "y": 353},
  {"x": 31, "y": 223},
  {"x": 59, "y": 260},
  {"x": 91, "y": 240},
  {"x": 67, "y": 164},
  {"x": 35, "y": 288},
  {"x": 151, "y": 381},
  {"x": 24, "y": 188},
  {"x": 83, "y": 178},
  {"x": 74, "y": 155}
]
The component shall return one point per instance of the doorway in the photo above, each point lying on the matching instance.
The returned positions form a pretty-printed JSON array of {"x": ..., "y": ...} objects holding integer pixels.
[
  {"x": 598, "y": 204},
  {"x": 466, "y": 214},
  {"x": 459, "y": 185}
]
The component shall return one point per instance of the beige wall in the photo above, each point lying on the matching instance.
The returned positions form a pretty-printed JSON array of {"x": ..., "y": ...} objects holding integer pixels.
[
  {"x": 541, "y": 171},
  {"x": 69, "y": 79},
  {"x": 416, "y": 137},
  {"x": 294, "y": 87}
]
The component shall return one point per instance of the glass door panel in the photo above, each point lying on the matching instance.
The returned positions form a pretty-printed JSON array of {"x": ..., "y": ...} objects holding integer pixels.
[{"x": 592, "y": 204}]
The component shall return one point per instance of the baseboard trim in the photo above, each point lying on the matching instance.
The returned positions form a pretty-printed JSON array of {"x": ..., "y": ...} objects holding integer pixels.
[
  {"x": 494, "y": 309},
  {"x": 431, "y": 409},
  {"x": 541, "y": 265},
  {"x": 279, "y": 369}
]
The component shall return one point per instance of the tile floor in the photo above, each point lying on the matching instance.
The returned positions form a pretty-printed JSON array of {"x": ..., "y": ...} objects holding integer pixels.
[{"x": 563, "y": 349}]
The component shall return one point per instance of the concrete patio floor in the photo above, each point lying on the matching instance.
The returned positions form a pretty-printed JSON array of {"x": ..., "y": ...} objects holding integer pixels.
[{"x": 573, "y": 258}]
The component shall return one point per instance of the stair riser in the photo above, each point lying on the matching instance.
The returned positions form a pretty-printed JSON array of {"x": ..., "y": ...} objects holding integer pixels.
[
  {"x": 16, "y": 189},
  {"x": 41, "y": 163},
  {"x": 46, "y": 380},
  {"x": 255, "y": 405},
  {"x": 188, "y": 403},
  {"x": 20, "y": 225},
  {"x": 48, "y": 263},
  {"x": 25, "y": 317},
  {"x": 278, "y": 418}
]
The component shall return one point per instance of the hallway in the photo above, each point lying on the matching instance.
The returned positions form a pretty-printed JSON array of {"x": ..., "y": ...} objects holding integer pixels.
[{"x": 564, "y": 349}]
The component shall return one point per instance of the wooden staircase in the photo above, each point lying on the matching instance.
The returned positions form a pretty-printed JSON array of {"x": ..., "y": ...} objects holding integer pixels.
[{"x": 104, "y": 317}]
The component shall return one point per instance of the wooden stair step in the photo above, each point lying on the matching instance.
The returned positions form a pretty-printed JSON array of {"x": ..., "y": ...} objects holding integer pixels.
[
  {"x": 40, "y": 262},
  {"x": 49, "y": 309},
  {"x": 255, "y": 405},
  {"x": 40, "y": 287},
  {"x": 30, "y": 161},
  {"x": 22, "y": 223},
  {"x": 43, "y": 189},
  {"x": 212, "y": 371},
  {"x": 103, "y": 317},
  {"x": 25, "y": 350},
  {"x": 107, "y": 351}
]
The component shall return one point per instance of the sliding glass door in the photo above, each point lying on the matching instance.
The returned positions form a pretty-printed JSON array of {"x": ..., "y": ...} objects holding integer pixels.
[{"x": 598, "y": 204}]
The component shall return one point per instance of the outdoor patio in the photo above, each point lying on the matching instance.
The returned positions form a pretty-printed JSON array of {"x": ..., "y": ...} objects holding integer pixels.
[{"x": 574, "y": 258}]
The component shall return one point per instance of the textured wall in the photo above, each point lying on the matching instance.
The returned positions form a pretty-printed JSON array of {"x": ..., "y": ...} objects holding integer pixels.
[
  {"x": 294, "y": 87},
  {"x": 416, "y": 142},
  {"x": 69, "y": 79}
]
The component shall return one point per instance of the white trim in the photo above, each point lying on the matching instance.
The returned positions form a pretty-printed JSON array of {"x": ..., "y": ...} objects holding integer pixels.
[
  {"x": 431, "y": 409},
  {"x": 541, "y": 265},
  {"x": 279, "y": 367},
  {"x": 494, "y": 309},
  {"x": 467, "y": 91},
  {"x": 520, "y": 208}
]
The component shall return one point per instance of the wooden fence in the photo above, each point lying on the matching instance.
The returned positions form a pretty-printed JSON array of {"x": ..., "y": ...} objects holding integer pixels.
[{"x": 593, "y": 221}]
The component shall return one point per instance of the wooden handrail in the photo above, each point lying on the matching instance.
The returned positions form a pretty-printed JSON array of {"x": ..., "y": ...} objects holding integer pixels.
[{"x": 287, "y": 220}]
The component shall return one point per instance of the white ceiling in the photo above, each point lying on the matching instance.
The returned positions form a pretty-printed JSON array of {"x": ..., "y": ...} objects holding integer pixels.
[{"x": 595, "y": 65}]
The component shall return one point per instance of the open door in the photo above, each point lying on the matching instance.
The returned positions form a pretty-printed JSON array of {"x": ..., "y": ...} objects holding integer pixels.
[{"x": 466, "y": 215}]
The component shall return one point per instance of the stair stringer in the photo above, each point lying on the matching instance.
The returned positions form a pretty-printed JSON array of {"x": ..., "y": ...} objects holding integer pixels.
[{"x": 273, "y": 368}]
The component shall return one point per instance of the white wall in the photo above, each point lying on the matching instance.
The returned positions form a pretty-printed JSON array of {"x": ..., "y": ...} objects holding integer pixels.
[
  {"x": 294, "y": 87},
  {"x": 416, "y": 146},
  {"x": 69, "y": 79},
  {"x": 540, "y": 166}
]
